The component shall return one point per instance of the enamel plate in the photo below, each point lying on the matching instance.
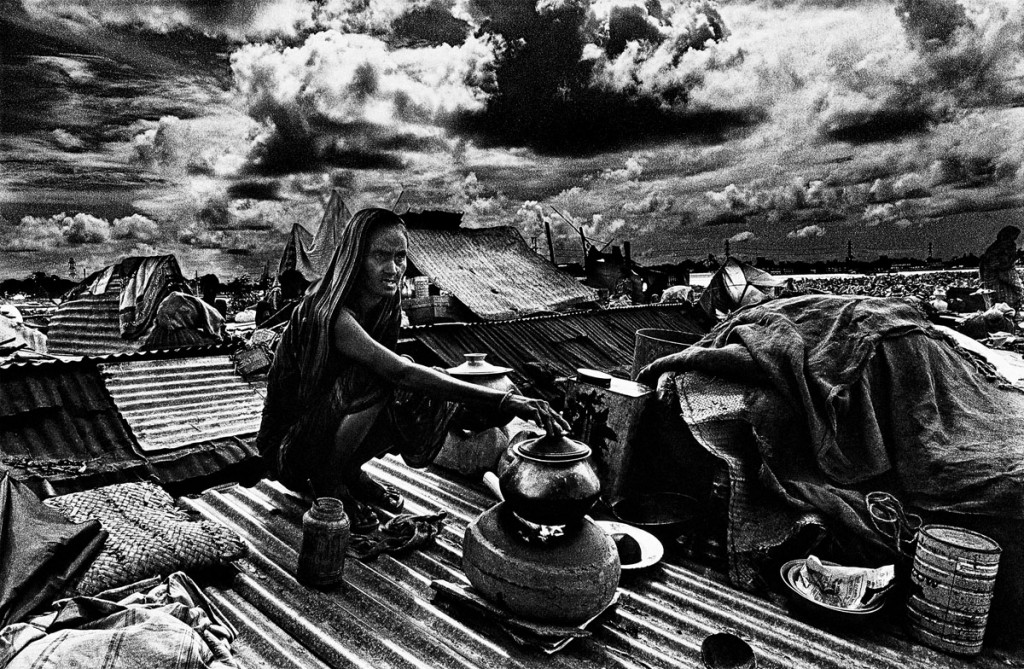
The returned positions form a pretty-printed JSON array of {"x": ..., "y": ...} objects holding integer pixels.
[{"x": 651, "y": 549}]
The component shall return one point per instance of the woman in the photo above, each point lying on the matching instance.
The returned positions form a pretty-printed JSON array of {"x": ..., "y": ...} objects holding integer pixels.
[
  {"x": 339, "y": 395},
  {"x": 998, "y": 268}
]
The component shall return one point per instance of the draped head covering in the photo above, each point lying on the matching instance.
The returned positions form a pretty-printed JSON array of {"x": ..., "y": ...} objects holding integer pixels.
[{"x": 306, "y": 366}]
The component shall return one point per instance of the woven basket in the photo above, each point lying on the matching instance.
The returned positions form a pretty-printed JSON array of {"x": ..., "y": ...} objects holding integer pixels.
[{"x": 149, "y": 535}]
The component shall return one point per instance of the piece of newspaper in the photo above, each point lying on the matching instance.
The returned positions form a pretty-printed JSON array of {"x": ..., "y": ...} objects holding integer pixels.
[{"x": 844, "y": 587}]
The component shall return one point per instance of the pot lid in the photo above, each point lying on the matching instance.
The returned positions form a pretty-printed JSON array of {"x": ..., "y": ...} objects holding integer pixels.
[
  {"x": 475, "y": 365},
  {"x": 552, "y": 448}
]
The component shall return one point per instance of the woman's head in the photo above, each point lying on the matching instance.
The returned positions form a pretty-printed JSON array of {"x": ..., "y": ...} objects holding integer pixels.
[
  {"x": 383, "y": 261},
  {"x": 1008, "y": 232}
]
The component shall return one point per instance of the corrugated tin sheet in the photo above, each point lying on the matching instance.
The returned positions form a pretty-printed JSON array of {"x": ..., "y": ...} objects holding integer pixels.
[
  {"x": 384, "y": 616},
  {"x": 542, "y": 347},
  {"x": 59, "y": 422},
  {"x": 88, "y": 325},
  {"x": 493, "y": 272},
  {"x": 178, "y": 402}
]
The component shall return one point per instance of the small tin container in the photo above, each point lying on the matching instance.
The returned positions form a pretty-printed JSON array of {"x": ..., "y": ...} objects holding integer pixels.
[{"x": 325, "y": 537}]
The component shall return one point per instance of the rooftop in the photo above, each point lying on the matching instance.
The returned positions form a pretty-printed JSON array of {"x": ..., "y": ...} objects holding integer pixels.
[{"x": 385, "y": 616}]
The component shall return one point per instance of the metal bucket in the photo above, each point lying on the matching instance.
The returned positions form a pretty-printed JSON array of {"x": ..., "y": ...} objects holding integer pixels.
[
  {"x": 653, "y": 343},
  {"x": 953, "y": 579}
]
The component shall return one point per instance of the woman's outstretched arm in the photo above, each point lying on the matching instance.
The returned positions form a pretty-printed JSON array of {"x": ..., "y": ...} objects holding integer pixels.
[{"x": 354, "y": 343}]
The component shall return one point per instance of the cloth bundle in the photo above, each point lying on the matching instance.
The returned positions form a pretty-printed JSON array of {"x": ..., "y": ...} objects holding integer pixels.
[{"x": 172, "y": 626}]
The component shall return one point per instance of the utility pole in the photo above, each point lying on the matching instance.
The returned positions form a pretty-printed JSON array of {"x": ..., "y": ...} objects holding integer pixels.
[
  {"x": 551, "y": 245},
  {"x": 727, "y": 256},
  {"x": 930, "y": 256}
]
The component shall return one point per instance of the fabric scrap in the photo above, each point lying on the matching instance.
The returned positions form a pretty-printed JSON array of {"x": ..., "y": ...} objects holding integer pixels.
[
  {"x": 401, "y": 534},
  {"x": 172, "y": 626},
  {"x": 42, "y": 550}
]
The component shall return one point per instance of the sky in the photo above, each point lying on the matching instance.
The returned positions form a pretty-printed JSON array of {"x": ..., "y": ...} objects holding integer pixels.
[{"x": 794, "y": 129}]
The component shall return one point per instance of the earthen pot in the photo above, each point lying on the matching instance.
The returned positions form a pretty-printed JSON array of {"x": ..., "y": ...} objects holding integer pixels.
[
  {"x": 550, "y": 481},
  {"x": 477, "y": 370},
  {"x": 563, "y": 582}
]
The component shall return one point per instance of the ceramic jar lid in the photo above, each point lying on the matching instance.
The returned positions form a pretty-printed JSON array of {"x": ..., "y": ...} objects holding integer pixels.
[
  {"x": 475, "y": 365},
  {"x": 548, "y": 448}
]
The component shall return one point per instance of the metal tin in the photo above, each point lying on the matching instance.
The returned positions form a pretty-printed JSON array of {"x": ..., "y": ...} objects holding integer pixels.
[
  {"x": 325, "y": 537},
  {"x": 952, "y": 586}
]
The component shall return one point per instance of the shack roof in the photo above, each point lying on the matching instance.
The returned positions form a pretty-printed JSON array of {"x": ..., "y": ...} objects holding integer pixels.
[
  {"x": 493, "y": 272},
  {"x": 81, "y": 422},
  {"x": 384, "y": 614},
  {"x": 540, "y": 348}
]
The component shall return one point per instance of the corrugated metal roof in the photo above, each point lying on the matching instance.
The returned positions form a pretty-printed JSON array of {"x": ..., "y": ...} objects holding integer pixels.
[
  {"x": 384, "y": 616},
  {"x": 88, "y": 325},
  {"x": 493, "y": 272},
  {"x": 540, "y": 347},
  {"x": 59, "y": 422},
  {"x": 183, "y": 401}
]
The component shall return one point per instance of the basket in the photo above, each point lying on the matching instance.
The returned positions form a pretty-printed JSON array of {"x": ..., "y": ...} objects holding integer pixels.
[
  {"x": 253, "y": 360},
  {"x": 422, "y": 310}
]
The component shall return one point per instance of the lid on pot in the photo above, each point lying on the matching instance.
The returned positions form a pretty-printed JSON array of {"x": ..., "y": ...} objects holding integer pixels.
[
  {"x": 476, "y": 366},
  {"x": 550, "y": 448}
]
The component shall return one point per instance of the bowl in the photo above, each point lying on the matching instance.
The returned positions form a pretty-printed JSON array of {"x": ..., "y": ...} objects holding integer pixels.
[
  {"x": 827, "y": 613},
  {"x": 660, "y": 513}
]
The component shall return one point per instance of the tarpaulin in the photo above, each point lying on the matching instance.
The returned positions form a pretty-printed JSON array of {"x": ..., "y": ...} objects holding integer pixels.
[{"x": 42, "y": 550}]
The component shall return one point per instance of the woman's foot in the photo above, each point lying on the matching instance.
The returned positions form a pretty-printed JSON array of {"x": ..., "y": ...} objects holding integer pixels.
[{"x": 377, "y": 494}]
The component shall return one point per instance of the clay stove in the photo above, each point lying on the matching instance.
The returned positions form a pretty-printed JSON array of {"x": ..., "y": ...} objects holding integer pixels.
[{"x": 538, "y": 554}]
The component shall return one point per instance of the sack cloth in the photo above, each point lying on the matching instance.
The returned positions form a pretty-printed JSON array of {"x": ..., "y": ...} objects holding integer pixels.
[
  {"x": 42, "y": 550},
  {"x": 172, "y": 626},
  {"x": 149, "y": 535},
  {"x": 860, "y": 394}
]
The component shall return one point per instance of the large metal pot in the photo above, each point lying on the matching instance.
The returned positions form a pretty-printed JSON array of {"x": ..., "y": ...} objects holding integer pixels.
[
  {"x": 550, "y": 481},
  {"x": 482, "y": 373}
]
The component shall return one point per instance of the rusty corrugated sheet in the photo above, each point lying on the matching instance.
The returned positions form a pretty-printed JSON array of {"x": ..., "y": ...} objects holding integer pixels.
[
  {"x": 493, "y": 272},
  {"x": 182, "y": 401},
  {"x": 542, "y": 347},
  {"x": 59, "y": 422},
  {"x": 384, "y": 615}
]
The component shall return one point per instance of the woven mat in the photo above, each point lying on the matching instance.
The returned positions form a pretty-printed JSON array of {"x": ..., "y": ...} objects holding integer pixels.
[{"x": 149, "y": 535}]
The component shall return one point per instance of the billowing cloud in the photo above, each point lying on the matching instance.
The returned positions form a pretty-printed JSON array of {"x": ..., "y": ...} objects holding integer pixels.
[
  {"x": 744, "y": 236},
  {"x": 807, "y": 231},
  {"x": 136, "y": 227}
]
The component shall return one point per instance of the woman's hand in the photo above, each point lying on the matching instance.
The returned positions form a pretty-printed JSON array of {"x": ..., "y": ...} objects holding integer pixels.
[{"x": 539, "y": 411}]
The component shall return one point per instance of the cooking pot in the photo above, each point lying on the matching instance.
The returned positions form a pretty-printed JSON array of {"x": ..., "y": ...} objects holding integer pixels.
[{"x": 550, "y": 481}]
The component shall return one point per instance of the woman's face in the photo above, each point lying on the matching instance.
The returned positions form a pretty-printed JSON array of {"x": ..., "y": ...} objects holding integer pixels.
[{"x": 384, "y": 264}]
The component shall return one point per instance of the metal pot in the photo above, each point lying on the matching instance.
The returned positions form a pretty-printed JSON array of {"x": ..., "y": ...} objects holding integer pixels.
[
  {"x": 550, "y": 481},
  {"x": 476, "y": 370}
]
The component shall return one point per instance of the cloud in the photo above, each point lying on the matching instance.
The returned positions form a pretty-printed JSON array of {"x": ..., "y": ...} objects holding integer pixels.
[
  {"x": 340, "y": 96},
  {"x": 744, "y": 236},
  {"x": 806, "y": 232},
  {"x": 39, "y": 233},
  {"x": 235, "y": 19},
  {"x": 136, "y": 227}
]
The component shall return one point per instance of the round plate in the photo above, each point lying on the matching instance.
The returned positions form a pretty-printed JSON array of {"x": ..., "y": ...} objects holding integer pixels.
[
  {"x": 789, "y": 573},
  {"x": 651, "y": 550}
]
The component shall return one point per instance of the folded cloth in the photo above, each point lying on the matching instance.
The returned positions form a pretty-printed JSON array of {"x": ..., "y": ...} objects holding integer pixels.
[
  {"x": 42, "y": 550},
  {"x": 172, "y": 626},
  {"x": 400, "y": 534}
]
